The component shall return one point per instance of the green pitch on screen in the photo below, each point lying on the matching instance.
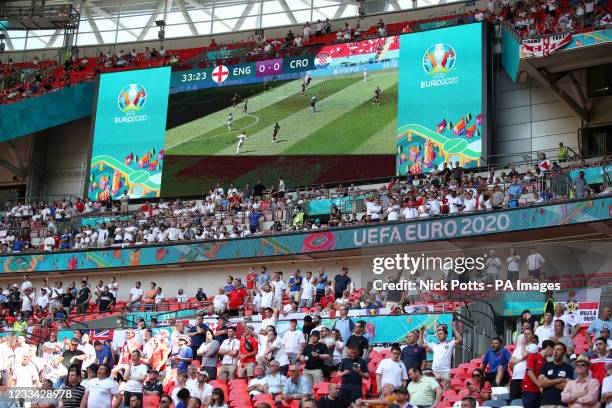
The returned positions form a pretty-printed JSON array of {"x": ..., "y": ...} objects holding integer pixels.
[
  {"x": 440, "y": 107},
  {"x": 129, "y": 134}
]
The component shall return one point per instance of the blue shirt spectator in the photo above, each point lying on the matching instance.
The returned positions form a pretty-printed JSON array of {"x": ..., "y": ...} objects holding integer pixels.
[
  {"x": 413, "y": 355},
  {"x": 103, "y": 352},
  {"x": 301, "y": 386},
  {"x": 184, "y": 353},
  {"x": 603, "y": 321}
]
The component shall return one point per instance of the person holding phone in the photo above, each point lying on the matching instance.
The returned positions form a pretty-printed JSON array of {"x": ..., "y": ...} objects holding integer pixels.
[
  {"x": 478, "y": 386},
  {"x": 352, "y": 370}
]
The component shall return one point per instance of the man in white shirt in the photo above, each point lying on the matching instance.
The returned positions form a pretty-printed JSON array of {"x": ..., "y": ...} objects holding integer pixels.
[
  {"x": 374, "y": 209},
  {"x": 49, "y": 242},
  {"x": 279, "y": 288},
  {"x": 306, "y": 292},
  {"x": 392, "y": 370},
  {"x": 293, "y": 341},
  {"x": 442, "y": 352},
  {"x": 26, "y": 284},
  {"x": 492, "y": 267},
  {"x": 25, "y": 373},
  {"x": 220, "y": 301},
  {"x": 100, "y": 391},
  {"x": 135, "y": 296},
  {"x": 469, "y": 204},
  {"x": 102, "y": 235},
  {"x": 546, "y": 330},
  {"x": 6, "y": 360},
  {"x": 535, "y": 262},
  {"x": 113, "y": 286},
  {"x": 258, "y": 384},
  {"x": 201, "y": 389},
  {"x": 513, "y": 262},
  {"x": 230, "y": 350},
  {"x": 57, "y": 294},
  {"x": 134, "y": 374},
  {"x": 567, "y": 318}
]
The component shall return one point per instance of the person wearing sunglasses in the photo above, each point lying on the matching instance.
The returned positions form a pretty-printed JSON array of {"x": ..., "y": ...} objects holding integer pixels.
[
  {"x": 479, "y": 387},
  {"x": 583, "y": 391}
]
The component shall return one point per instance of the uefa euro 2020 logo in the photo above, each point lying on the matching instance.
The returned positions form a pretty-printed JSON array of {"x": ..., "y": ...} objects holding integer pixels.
[
  {"x": 132, "y": 98},
  {"x": 439, "y": 60}
]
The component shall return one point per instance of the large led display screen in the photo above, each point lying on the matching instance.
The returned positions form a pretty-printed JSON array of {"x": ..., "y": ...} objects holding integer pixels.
[
  {"x": 341, "y": 101},
  {"x": 129, "y": 134},
  {"x": 442, "y": 115}
]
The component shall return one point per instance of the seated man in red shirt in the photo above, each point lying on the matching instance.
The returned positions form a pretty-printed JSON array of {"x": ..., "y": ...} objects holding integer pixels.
[{"x": 535, "y": 361}]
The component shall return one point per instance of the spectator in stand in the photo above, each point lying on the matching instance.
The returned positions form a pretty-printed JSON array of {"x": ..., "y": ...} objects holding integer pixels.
[
  {"x": 352, "y": 370},
  {"x": 134, "y": 374},
  {"x": 333, "y": 400},
  {"x": 101, "y": 390},
  {"x": 237, "y": 297},
  {"x": 74, "y": 391},
  {"x": 603, "y": 321},
  {"x": 306, "y": 31},
  {"x": 197, "y": 333},
  {"x": 314, "y": 356},
  {"x": 584, "y": 390},
  {"x": 392, "y": 370},
  {"x": 230, "y": 352},
  {"x": 531, "y": 394},
  {"x": 478, "y": 386},
  {"x": 248, "y": 350},
  {"x": 358, "y": 338},
  {"x": 183, "y": 356},
  {"x": 442, "y": 352},
  {"x": 152, "y": 387},
  {"x": 413, "y": 354},
  {"x": 275, "y": 379},
  {"x": 344, "y": 324},
  {"x": 293, "y": 342},
  {"x": 136, "y": 294},
  {"x": 258, "y": 384},
  {"x": 202, "y": 390},
  {"x": 558, "y": 336},
  {"x": 546, "y": 330},
  {"x": 423, "y": 390},
  {"x": 496, "y": 359},
  {"x": 600, "y": 358},
  {"x": 568, "y": 320},
  {"x": 83, "y": 298},
  {"x": 554, "y": 376},
  {"x": 297, "y": 387},
  {"x": 342, "y": 282}
]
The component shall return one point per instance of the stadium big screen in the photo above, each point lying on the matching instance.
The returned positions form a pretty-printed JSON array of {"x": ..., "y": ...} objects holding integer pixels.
[{"x": 349, "y": 111}]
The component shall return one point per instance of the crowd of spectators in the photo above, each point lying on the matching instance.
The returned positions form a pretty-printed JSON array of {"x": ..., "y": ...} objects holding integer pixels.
[
  {"x": 530, "y": 18},
  {"x": 259, "y": 209},
  {"x": 217, "y": 360},
  {"x": 541, "y": 17}
]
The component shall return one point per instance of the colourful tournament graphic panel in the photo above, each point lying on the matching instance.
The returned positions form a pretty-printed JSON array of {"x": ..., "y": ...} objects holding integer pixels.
[
  {"x": 129, "y": 134},
  {"x": 441, "y": 104},
  {"x": 341, "y": 100}
]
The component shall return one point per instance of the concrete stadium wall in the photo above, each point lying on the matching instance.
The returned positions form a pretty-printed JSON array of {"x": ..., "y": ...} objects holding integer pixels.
[
  {"x": 530, "y": 117},
  {"x": 67, "y": 152}
]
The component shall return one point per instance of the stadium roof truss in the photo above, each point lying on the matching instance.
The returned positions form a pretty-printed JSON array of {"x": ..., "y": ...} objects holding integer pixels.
[{"x": 119, "y": 21}]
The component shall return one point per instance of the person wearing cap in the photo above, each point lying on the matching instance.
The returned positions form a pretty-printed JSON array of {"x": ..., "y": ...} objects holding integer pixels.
[
  {"x": 202, "y": 389},
  {"x": 297, "y": 387},
  {"x": 582, "y": 392},
  {"x": 314, "y": 355},
  {"x": 249, "y": 347},
  {"x": 183, "y": 356},
  {"x": 424, "y": 391},
  {"x": 151, "y": 385},
  {"x": 230, "y": 352}
]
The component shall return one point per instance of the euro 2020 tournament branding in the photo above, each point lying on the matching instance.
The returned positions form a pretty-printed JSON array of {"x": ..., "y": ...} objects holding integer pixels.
[
  {"x": 440, "y": 104},
  {"x": 129, "y": 134},
  {"x": 131, "y": 101},
  {"x": 438, "y": 61}
]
